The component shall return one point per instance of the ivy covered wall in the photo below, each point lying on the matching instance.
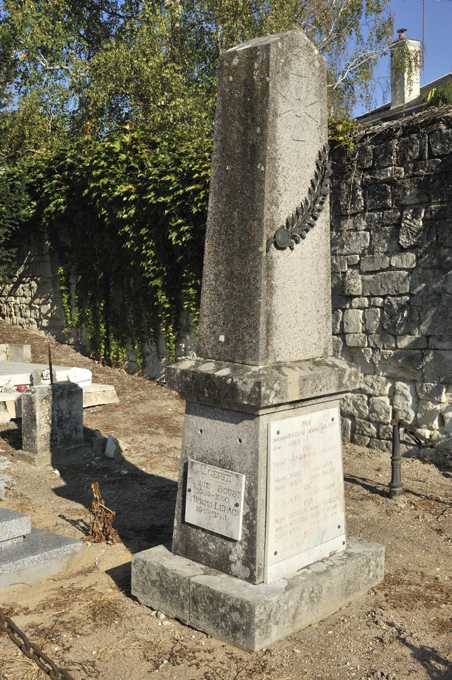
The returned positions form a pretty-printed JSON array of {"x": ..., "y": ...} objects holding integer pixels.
[{"x": 117, "y": 228}]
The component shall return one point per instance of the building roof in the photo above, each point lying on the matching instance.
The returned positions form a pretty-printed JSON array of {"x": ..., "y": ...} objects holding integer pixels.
[{"x": 385, "y": 112}]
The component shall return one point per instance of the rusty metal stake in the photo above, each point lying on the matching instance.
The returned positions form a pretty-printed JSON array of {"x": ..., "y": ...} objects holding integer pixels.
[{"x": 395, "y": 485}]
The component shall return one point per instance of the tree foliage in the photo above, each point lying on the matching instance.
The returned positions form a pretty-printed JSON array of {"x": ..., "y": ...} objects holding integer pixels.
[
  {"x": 91, "y": 66},
  {"x": 106, "y": 113}
]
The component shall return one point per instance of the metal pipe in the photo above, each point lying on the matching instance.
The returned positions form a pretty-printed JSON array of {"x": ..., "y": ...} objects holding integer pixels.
[{"x": 395, "y": 485}]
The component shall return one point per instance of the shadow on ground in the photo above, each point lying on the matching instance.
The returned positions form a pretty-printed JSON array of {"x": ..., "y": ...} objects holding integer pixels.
[{"x": 144, "y": 503}]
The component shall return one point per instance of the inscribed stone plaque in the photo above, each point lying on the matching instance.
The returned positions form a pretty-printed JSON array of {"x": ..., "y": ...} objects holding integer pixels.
[
  {"x": 305, "y": 494},
  {"x": 214, "y": 499}
]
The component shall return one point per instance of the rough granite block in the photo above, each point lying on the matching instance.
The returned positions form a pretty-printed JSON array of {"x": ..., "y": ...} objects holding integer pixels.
[{"x": 258, "y": 305}]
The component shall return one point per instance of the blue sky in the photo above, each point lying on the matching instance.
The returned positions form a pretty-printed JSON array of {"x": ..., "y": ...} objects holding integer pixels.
[{"x": 437, "y": 37}]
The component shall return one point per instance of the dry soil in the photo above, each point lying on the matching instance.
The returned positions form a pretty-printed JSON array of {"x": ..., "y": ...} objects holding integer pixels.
[{"x": 86, "y": 620}]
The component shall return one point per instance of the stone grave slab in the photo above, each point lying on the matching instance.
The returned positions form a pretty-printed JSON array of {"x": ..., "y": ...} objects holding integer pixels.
[
  {"x": 41, "y": 553},
  {"x": 93, "y": 395}
]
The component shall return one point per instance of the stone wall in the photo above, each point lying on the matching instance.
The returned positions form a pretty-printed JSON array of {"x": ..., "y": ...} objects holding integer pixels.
[
  {"x": 392, "y": 276},
  {"x": 33, "y": 301}
]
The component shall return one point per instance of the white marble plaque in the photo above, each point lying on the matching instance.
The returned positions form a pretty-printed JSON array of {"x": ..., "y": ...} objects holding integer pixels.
[
  {"x": 305, "y": 492},
  {"x": 214, "y": 499}
]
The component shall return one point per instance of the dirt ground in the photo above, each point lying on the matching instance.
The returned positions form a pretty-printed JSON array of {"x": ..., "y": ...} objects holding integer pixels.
[{"x": 86, "y": 620}]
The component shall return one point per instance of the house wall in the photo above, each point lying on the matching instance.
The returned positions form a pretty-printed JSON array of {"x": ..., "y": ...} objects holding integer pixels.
[{"x": 392, "y": 276}]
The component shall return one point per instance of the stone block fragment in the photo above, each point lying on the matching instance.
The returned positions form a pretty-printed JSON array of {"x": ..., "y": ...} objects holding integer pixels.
[
  {"x": 353, "y": 259},
  {"x": 372, "y": 319},
  {"x": 382, "y": 340},
  {"x": 403, "y": 261},
  {"x": 385, "y": 154},
  {"x": 379, "y": 196},
  {"x": 355, "y": 405},
  {"x": 428, "y": 414},
  {"x": 411, "y": 227},
  {"x": 373, "y": 263},
  {"x": 349, "y": 243},
  {"x": 337, "y": 319},
  {"x": 375, "y": 385},
  {"x": 364, "y": 156},
  {"x": 351, "y": 199},
  {"x": 113, "y": 449},
  {"x": 356, "y": 340},
  {"x": 380, "y": 409},
  {"x": 361, "y": 440},
  {"x": 410, "y": 192},
  {"x": 359, "y": 303},
  {"x": 435, "y": 392},
  {"x": 440, "y": 142},
  {"x": 385, "y": 432},
  {"x": 353, "y": 321},
  {"x": 408, "y": 150},
  {"x": 386, "y": 283},
  {"x": 352, "y": 283},
  {"x": 399, "y": 317},
  {"x": 339, "y": 264},
  {"x": 405, "y": 399},
  {"x": 380, "y": 445},
  {"x": 346, "y": 429},
  {"x": 364, "y": 427}
]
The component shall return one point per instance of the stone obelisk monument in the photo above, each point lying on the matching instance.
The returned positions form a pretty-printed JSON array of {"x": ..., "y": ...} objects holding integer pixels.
[{"x": 259, "y": 544}]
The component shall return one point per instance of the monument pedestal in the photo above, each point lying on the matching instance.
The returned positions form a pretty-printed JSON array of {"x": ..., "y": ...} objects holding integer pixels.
[
  {"x": 259, "y": 546},
  {"x": 52, "y": 424},
  {"x": 254, "y": 616}
]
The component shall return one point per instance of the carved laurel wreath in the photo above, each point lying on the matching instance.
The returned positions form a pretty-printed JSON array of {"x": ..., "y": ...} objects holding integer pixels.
[{"x": 300, "y": 223}]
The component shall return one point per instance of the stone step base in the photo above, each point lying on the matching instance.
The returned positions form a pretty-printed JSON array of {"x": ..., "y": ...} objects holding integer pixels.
[
  {"x": 40, "y": 554},
  {"x": 254, "y": 616},
  {"x": 55, "y": 457}
]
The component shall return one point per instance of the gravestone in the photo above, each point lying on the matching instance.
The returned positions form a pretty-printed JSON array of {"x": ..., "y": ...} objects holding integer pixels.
[
  {"x": 52, "y": 423},
  {"x": 259, "y": 543}
]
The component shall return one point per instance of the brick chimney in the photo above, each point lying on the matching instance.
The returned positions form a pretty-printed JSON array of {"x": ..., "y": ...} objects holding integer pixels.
[{"x": 405, "y": 80}]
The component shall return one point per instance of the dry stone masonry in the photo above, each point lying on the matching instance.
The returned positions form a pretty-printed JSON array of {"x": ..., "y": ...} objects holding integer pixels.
[{"x": 392, "y": 276}]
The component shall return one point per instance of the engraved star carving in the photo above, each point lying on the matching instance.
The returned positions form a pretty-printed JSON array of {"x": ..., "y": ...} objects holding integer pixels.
[{"x": 301, "y": 105}]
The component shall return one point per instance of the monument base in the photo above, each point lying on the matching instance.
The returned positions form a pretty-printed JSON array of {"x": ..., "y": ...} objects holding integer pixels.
[
  {"x": 254, "y": 616},
  {"x": 57, "y": 456}
]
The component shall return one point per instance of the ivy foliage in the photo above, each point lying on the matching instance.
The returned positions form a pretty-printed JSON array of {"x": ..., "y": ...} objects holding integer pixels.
[
  {"x": 340, "y": 134},
  {"x": 12, "y": 214},
  {"x": 126, "y": 220}
]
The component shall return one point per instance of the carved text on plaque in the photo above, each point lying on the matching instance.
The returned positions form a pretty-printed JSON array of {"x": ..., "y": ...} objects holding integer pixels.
[
  {"x": 214, "y": 499},
  {"x": 305, "y": 501}
]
